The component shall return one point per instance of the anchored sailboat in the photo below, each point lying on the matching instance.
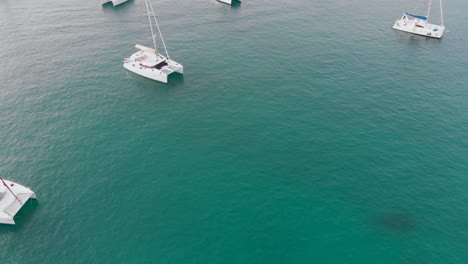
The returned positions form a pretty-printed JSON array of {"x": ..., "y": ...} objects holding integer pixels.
[
  {"x": 147, "y": 62},
  {"x": 12, "y": 198},
  {"x": 419, "y": 25}
]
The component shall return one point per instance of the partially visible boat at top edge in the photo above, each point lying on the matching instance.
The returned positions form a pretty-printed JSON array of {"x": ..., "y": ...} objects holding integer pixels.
[
  {"x": 114, "y": 2},
  {"x": 229, "y": 2}
]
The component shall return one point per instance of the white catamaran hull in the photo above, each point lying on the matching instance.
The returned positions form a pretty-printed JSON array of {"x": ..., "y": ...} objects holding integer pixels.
[
  {"x": 229, "y": 2},
  {"x": 152, "y": 65},
  {"x": 114, "y": 2},
  {"x": 9, "y": 204},
  {"x": 148, "y": 62},
  {"x": 419, "y": 27}
]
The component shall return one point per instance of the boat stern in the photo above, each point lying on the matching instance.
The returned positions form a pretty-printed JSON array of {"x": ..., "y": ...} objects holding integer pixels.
[
  {"x": 437, "y": 31},
  {"x": 150, "y": 73},
  {"x": 175, "y": 66},
  {"x": 6, "y": 219}
]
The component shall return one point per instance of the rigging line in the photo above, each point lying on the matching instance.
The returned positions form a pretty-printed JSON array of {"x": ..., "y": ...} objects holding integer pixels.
[
  {"x": 159, "y": 30},
  {"x": 429, "y": 11},
  {"x": 151, "y": 27},
  {"x": 6, "y": 185},
  {"x": 441, "y": 14}
]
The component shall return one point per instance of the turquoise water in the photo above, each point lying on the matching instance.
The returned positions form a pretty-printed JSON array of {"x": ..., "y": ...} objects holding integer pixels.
[{"x": 301, "y": 132}]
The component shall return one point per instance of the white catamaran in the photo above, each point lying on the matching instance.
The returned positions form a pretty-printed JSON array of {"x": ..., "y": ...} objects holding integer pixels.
[
  {"x": 148, "y": 62},
  {"x": 12, "y": 198},
  {"x": 420, "y": 25}
]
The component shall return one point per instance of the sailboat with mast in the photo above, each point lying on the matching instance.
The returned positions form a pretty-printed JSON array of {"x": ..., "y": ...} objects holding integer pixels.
[
  {"x": 148, "y": 62},
  {"x": 419, "y": 25}
]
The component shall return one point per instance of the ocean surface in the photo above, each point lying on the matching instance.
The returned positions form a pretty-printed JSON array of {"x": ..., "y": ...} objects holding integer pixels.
[{"x": 301, "y": 132}]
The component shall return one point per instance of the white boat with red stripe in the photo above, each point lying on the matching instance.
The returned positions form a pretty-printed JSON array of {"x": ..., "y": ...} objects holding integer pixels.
[
  {"x": 12, "y": 198},
  {"x": 148, "y": 62}
]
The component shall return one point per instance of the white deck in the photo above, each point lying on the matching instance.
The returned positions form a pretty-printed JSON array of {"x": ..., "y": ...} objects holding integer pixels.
[
  {"x": 147, "y": 63},
  {"x": 9, "y": 205},
  {"x": 419, "y": 27}
]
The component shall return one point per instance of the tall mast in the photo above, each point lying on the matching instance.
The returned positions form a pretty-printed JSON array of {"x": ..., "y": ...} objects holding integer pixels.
[
  {"x": 441, "y": 14},
  {"x": 429, "y": 11},
  {"x": 153, "y": 36},
  {"x": 159, "y": 30}
]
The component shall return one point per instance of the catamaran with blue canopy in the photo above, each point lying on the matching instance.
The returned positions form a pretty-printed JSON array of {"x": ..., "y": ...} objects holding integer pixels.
[{"x": 419, "y": 25}]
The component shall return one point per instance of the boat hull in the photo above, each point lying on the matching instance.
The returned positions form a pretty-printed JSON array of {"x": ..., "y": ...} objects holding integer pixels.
[
  {"x": 152, "y": 74},
  {"x": 145, "y": 61},
  {"x": 114, "y": 2},
  {"x": 418, "y": 27},
  {"x": 229, "y": 2},
  {"x": 118, "y": 2}
]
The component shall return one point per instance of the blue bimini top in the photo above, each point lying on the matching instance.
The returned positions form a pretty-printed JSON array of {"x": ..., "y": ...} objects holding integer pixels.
[{"x": 415, "y": 16}]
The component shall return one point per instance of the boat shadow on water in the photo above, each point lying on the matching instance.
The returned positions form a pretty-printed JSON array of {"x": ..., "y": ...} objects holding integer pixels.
[
  {"x": 175, "y": 82},
  {"x": 22, "y": 218},
  {"x": 236, "y": 4},
  {"x": 395, "y": 221}
]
